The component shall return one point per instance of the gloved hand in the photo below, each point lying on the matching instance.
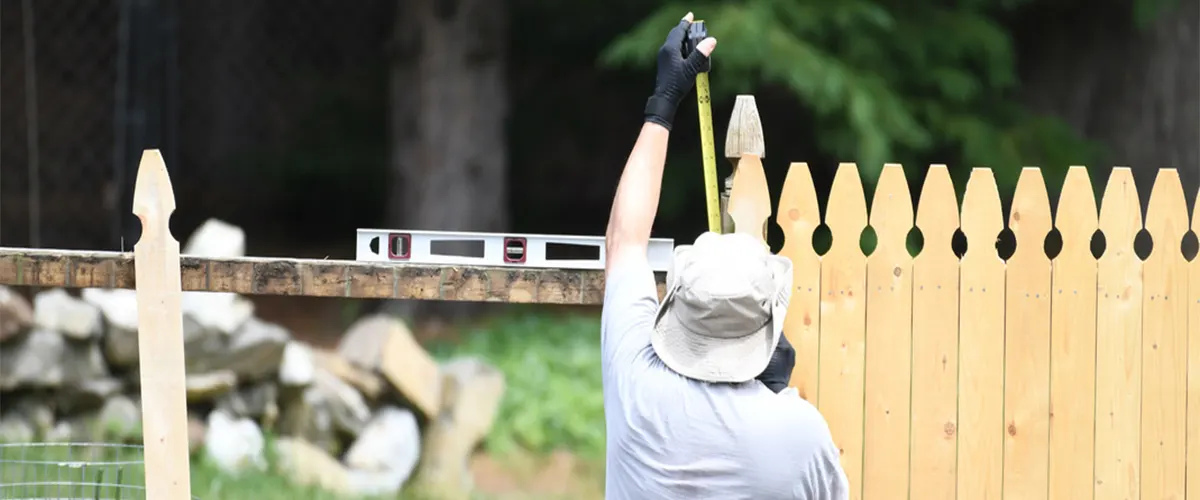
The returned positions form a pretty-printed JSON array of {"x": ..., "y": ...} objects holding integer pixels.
[
  {"x": 676, "y": 73},
  {"x": 779, "y": 370}
]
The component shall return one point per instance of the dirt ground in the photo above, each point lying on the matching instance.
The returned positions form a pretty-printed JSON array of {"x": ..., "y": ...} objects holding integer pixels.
[{"x": 561, "y": 475}]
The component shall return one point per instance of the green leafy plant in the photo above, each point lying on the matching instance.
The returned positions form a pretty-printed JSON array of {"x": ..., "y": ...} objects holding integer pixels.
[{"x": 553, "y": 397}]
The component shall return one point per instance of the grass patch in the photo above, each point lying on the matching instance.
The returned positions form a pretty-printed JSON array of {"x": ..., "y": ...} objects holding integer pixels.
[
  {"x": 102, "y": 471},
  {"x": 551, "y": 364},
  {"x": 553, "y": 401}
]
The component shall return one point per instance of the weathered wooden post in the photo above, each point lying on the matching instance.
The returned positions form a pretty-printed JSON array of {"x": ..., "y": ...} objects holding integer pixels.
[
  {"x": 160, "y": 335},
  {"x": 744, "y": 136}
]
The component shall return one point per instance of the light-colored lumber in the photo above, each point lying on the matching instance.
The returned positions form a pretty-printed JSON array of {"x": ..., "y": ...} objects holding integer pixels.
[
  {"x": 1073, "y": 342},
  {"x": 1027, "y": 343},
  {"x": 799, "y": 216},
  {"x": 889, "y": 339},
  {"x": 1164, "y": 342},
  {"x": 935, "y": 342},
  {"x": 160, "y": 335},
  {"x": 843, "y": 322},
  {"x": 1118, "y": 343},
  {"x": 750, "y": 201},
  {"x": 981, "y": 343}
]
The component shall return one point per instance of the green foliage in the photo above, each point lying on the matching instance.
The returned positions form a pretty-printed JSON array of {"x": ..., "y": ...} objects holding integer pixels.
[
  {"x": 553, "y": 396},
  {"x": 886, "y": 80}
]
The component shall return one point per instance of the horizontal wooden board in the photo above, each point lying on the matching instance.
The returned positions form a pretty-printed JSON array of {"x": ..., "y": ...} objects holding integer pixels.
[{"x": 312, "y": 278}]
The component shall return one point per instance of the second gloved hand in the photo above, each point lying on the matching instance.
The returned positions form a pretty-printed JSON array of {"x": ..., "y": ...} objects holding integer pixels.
[
  {"x": 676, "y": 73},
  {"x": 779, "y": 371}
]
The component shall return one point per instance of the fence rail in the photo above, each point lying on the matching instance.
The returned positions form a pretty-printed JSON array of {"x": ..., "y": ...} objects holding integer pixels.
[{"x": 310, "y": 277}]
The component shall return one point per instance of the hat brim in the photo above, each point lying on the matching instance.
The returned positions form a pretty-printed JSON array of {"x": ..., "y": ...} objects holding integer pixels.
[{"x": 710, "y": 359}]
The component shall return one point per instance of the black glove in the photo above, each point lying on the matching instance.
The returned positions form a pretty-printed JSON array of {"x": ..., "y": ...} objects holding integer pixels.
[
  {"x": 676, "y": 76},
  {"x": 779, "y": 371}
]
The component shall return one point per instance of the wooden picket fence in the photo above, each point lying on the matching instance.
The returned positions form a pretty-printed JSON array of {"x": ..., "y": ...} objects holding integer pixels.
[
  {"x": 980, "y": 378},
  {"x": 941, "y": 377}
]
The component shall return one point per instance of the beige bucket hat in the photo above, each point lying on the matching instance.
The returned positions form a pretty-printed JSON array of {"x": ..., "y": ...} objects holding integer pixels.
[{"x": 723, "y": 312}]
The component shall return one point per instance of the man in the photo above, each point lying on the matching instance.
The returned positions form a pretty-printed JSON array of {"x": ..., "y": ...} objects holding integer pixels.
[{"x": 688, "y": 410}]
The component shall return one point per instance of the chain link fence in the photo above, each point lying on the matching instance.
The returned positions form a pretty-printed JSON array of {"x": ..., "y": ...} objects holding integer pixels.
[{"x": 236, "y": 94}]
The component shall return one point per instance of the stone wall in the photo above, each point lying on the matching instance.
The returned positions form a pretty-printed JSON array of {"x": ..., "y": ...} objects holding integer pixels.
[{"x": 367, "y": 417}]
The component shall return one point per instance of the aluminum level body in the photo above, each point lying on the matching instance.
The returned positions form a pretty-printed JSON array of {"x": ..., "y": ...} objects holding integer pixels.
[{"x": 456, "y": 248}]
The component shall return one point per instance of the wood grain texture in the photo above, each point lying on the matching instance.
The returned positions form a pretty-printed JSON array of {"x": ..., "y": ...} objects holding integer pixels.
[
  {"x": 935, "y": 343},
  {"x": 1073, "y": 342},
  {"x": 799, "y": 216},
  {"x": 1027, "y": 343},
  {"x": 1164, "y": 342},
  {"x": 312, "y": 278},
  {"x": 1118, "y": 343},
  {"x": 981, "y": 343},
  {"x": 843, "y": 322},
  {"x": 160, "y": 337},
  {"x": 889, "y": 339}
]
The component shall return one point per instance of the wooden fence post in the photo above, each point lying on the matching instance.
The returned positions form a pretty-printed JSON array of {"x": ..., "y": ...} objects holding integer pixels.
[
  {"x": 744, "y": 137},
  {"x": 160, "y": 335}
]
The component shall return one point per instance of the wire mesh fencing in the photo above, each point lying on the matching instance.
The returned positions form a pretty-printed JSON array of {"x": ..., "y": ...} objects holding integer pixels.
[
  {"x": 253, "y": 105},
  {"x": 71, "y": 471}
]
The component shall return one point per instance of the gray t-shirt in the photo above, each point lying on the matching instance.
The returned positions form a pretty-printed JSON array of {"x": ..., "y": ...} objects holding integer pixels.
[{"x": 674, "y": 438}]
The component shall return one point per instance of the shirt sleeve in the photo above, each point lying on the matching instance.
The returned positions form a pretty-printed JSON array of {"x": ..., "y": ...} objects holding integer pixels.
[{"x": 630, "y": 303}]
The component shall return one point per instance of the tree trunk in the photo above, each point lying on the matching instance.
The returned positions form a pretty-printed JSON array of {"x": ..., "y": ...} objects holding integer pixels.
[
  {"x": 1136, "y": 92},
  {"x": 449, "y": 104}
]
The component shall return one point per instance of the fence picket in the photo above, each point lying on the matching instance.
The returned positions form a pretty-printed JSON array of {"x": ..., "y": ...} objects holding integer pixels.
[
  {"x": 1193, "y": 414},
  {"x": 749, "y": 198},
  {"x": 981, "y": 343},
  {"x": 1118, "y": 342},
  {"x": 889, "y": 339},
  {"x": 1164, "y": 342},
  {"x": 1027, "y": 343},
  {"x": 1193, "y": 364},
  {"x": 843, "y": 321},
  {"x": 1073, "y": 342},
  {"x": 799, "y": 216},
  {"x": 935, "y": 342}
]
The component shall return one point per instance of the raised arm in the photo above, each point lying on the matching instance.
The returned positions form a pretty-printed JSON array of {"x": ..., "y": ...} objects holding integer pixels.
[{"x": 636, "y": 201}]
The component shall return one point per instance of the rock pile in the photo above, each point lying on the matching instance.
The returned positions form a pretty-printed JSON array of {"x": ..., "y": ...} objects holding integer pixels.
[{"x": 367, "y": 417}]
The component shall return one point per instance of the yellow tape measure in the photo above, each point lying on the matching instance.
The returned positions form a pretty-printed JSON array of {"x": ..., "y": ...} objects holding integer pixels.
[{"x": 696, "y": 33}]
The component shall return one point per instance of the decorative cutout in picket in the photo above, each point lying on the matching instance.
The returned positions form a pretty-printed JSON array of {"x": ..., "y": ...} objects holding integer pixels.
[
  {"x": 1118, "y": 342},
  {"x": 1027, "y": 343},
  {"x": 1164, "y": 342},
  {"x": 1073, "y": 340},
  {"x": 981, "y": 343},
  {"x": 843, "y": 321},
  {"x": 799, "y": 216},
  {"x": 935, "y": 341},
  {"x": 889, "y": 333}
]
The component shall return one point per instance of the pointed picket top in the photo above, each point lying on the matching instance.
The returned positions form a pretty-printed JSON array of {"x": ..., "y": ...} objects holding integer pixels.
[
  {"x": 750, "y": 201},
  {"x": 937, "y": 213},
  {"x": 1120, "y": 213},
  {"x": 846, "y": 214},
  {"x": 745, "y": 133},
  {"x": 891, "y": 210},
  {"x": 982, "y": 216},
  {"x": 1077, "y": 218},
  {"x": 1029, "y": 218},
  {"x": 153, "y": 197},
  {"x": 799, "y": 214},
  {"x": 1166, "y": 214}
]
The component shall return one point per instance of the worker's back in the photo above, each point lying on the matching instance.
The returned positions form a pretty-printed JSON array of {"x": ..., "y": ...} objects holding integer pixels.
[{"x": 671, "y": 437}]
